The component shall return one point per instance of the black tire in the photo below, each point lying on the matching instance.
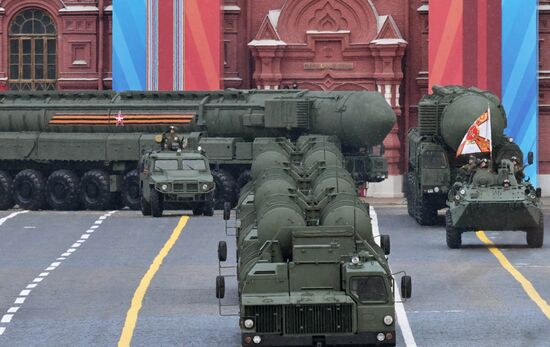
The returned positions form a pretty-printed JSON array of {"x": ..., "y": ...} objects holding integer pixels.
[
  {"x": 95, "y": 190},
  {"x": 222, "y": 251},
  {"x": 6, "y": 191},
  {"x": 406, "y": 287},
  {"x": 385, "y": 244},
  {"x": 454, "y": 235},
  {"x": 225, "y": 189},
  {"x": 208, "y": 209},
  {"x": 63, "y": 190},
  {"x": 535, "y": 236},
  {"x": 156, "y": 203},
  {"x": 131, "y": 190},
  {"x": 198, "y": 209},
  {"x": 425, "y": 213},
  {"x": 220, "y": 287},
  {"x": 29, "y": 187},
  {"x": 145, "y": 207}
]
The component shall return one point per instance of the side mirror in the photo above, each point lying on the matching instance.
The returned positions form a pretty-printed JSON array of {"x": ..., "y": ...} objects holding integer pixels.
[
  {"x": 226, "y": 210},
  {"x": 220, "y": 287},
  {"x": 539, "y": 192},
  {"x": 406, "y": 287},
  {"x": 222, "y": 251},
  {"x": 530, "y": 158},
  {"x": 385, "y": 243}
]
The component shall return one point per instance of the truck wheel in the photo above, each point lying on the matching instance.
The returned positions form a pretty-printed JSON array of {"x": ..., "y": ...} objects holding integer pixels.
[
  {"x": 156, "y": 203},
  {"x": 208, "y": 209},
  {"x": 198, "y": 209},
  {"x": 225, "y": 188},
  {"x": 95, "y": 190},
  {"x": 29, "y": 186},
  {"x": 145, "y": 207},
  {"x": 63, "y": 190},
  {"x": 535, "y": 236},
  {"x": 6, "y": 190},
  {"x": 130, "y": 190},
  {"x": 410, "y": 194},
  {"x": 426, "y": 214},
  {"x": 454, "y": 235}
]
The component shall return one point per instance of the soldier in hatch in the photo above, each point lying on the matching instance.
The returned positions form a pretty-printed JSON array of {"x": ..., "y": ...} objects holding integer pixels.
[
  {"x": 469, "y": 168},
  {"x": 518, "y": 169},
  {"x": 170, "y": 139}
]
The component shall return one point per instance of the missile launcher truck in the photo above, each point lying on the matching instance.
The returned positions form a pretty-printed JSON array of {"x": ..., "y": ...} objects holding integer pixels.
[
  {"x": 308, "y": 268},
  {"x": 67, "y": 150},
  {"x": 491, "y": 198}
]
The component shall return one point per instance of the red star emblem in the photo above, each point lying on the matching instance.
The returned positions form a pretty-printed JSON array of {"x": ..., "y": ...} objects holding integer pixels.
[{"x": 119, "y": 119}]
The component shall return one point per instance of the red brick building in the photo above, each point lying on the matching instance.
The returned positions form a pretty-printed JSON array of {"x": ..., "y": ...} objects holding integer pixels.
[{"x": 315, "y": 44}]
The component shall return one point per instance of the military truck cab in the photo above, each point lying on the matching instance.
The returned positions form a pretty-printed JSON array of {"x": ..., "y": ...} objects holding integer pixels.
[
  {"x": 428, "y": 179},
  {"x": 176, "y": 180}
]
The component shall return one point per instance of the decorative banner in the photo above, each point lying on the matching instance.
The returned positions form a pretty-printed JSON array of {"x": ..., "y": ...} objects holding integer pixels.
[
  {"x": 166, "y": 45},
  {"x": 464, "y": 44},
  {"x": 519, "y": 75}
]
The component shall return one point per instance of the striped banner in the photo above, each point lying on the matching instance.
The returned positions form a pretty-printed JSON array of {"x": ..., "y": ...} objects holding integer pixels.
[
  {"x": 121, "y": 119},
  {"x": 178, "y": 46},
  {"x": 492, "y": 45},
  {"x": 520, "y": 75}
]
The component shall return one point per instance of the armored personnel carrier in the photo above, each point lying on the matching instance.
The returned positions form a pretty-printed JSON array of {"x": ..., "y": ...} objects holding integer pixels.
[
  {"x": 494, "y": 201},
  {"x": 176, "y": 179},
  {"x": 308, "y": 268}
]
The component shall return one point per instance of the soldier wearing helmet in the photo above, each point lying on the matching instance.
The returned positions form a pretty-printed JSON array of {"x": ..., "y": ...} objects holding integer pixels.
[
  {"x": 518, "y": 169},
  {"x": 469, "y": 168},
  {"x": 170, "y": 139}
]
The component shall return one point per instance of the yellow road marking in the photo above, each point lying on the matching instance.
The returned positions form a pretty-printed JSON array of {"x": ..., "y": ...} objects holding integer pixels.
[
  {"x": 527, "y": 286},
  {"x": 137, "y": 300}
]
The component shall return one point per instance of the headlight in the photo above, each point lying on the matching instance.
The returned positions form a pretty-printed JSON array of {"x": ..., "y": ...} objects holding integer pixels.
[
  {"x": 381, "y": 337},
  {"x": 248, "y": 323},
  {"x": 164, "y": 187},
  {"x": 462, "y": 192},
  {"x": 205, "y": 186},
  {"x": 436, "y": 189},
  {"x": 257, "y": 339},
  {"x": 388, "y": 320},
  {"x": 533, "y": 196},
  {"x": 355, "y": 260},
  {"x": 458, "y": 197}
]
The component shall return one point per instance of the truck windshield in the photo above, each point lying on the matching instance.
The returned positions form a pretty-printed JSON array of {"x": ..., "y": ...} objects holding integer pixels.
[
  {"x": 194, "y": 164},
  {"x": 166, "y": 164},
  {"x": 368, "y": 289},
  {"x": 434, "y": 160}
]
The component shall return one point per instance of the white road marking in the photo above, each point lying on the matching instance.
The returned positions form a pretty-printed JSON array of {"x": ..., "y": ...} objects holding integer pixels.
[
  {"x": 29, "y": 227},
  {"x": 26, "y": 292},
  {"x": 402, "y": 319},
  {"x": 3, "y": 220},
  {"x": 6, "y": 318}
]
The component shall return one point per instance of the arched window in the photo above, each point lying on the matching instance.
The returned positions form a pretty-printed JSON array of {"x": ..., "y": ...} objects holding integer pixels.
[{"x": 33, "y": 51}]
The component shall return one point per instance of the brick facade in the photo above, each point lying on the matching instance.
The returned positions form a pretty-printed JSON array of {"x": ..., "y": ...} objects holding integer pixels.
[{"x": 316, "y": 44}]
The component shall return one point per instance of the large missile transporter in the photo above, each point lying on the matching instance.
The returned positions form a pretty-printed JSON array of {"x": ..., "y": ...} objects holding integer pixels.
[
  {"x": 308, "y": 268},
  {"x": 491, "y": 198},
  {"x": 62, "y": 150}
]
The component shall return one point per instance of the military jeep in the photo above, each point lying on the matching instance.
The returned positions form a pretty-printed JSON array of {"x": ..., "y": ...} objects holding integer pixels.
[{"x": 176, "y": 180}]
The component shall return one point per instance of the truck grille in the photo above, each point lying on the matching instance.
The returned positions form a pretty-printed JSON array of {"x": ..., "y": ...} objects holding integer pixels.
[
  {"x": 179, "y": 187},
  {"x": 192, "y": 187},
  {"x": 303, "y": 319}
]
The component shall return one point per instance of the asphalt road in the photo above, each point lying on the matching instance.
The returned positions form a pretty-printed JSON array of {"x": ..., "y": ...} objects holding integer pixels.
[{"x": 68, "y": 279}]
